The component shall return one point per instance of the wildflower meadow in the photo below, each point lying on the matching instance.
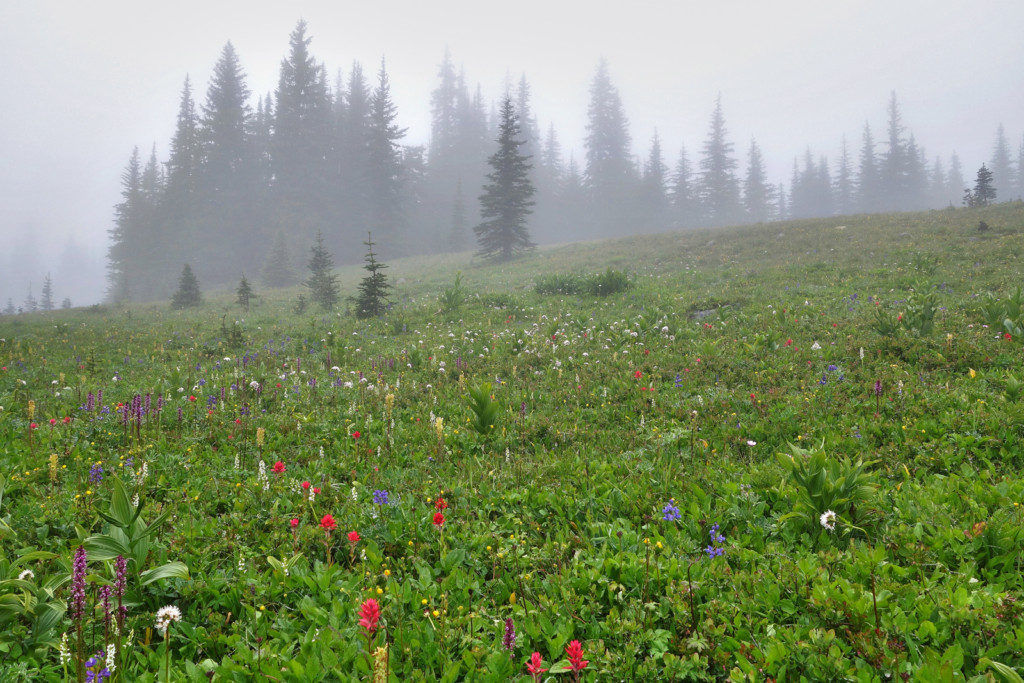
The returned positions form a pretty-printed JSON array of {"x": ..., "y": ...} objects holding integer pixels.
[{"x": 780, "y": 452}]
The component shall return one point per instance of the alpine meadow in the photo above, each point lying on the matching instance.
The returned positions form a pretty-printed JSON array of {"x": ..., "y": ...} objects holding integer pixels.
[{"x": 383, "y": 381}]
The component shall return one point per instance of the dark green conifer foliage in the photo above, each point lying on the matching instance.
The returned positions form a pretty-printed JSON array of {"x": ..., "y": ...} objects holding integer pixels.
[
  {"x": 188, "y": 294},
  {"x": 719, "y": 186},
  {"x": 984, "y": 192},
  {"x": 66, "y": 304},
  {"x": 384, "y": 161},
  {"x": 506, "y": 202},
  {"x": 372, "y": 300},
  {"x": 322, "y": 282},
  {"x": 244, "y": 294}
]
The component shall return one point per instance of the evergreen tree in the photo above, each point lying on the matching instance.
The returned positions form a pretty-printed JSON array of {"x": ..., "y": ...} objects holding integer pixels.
[
  {"x": 188, "y": 294},
  {"x": 9, "y": 309},
  {"x": 183, "y": 164},
  {"x": 46, "y": 300},
  {"x": 653, "y": 207},
  {"x": 894, "y": 163},
  {"x": 354, "y": 156},
  {"x": 278, "y": 272},
  {"x": 30, "y": 305},
  {"x": 844, "y": 199},
  {"x": 869, "y": 193},
  {"x": 322, "y": 282},
  {"x": 782, "y": 206},
  {"x": 719, "y": 187},
  {"x": 1003, "y": 180},
  {"x": 124, "y": 236},
  {"x": 302, "y": 121},
  {"x": 244, "y": 294},
  {"x": 937, "y": 185},
  {"x": 372, "y": 300},
  {"x": 916, "y": 177},
  {"x": 457, "y": 238},
  {"x": 955, "y": 183},
  {"x": 610, "y": 173},
  {"x": 528, "y": 127},
  {"x": 66, "y": 303},
  {"x": 507, "y": 198},
  {"x": 685, "y": 202},
  {"x": 384, "y": 163},
  {"x": 824, "y": 202},
  {"x": 756, "y": 190},
  {"x": 984, "y": 192}
]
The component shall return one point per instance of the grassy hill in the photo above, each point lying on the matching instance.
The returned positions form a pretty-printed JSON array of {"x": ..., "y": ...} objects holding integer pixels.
[{"x": 787, "y": 450}]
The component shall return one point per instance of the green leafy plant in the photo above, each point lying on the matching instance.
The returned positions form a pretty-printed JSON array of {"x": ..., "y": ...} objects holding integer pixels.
[
  {"x": 826, "y": 483},
  {"x": 484, "y": 407}
]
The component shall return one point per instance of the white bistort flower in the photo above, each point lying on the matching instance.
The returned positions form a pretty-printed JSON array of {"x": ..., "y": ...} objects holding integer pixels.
[
  {"x": 828, "y": 520},
  {"x": 166, "y": 616}
]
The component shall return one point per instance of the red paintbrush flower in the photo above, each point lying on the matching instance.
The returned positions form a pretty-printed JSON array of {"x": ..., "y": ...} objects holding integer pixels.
[
  {"x": 278, "y": 467},
  {"x": 328, "y": 522},
  {"x": 353, "y": 537},
  {"x": 575, "y": 652},
  {"x": 438, "y": 519},
  {"x": 369, "y": 615},
  {"x": 533, "y": 666}
]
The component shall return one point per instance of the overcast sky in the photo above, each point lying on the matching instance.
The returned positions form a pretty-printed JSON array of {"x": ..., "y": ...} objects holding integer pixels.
[{"x": 82, "y": 82}]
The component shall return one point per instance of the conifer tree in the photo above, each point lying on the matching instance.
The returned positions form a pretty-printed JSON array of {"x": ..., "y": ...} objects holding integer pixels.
[
  {"x": 322, "y": 282},
  {"x": 1001, "y": 166},
  {"x": 31, "y": 304},
  {"x": 937, "y": 185},
  {"x": 372, "y": 300},
  {"x": 610, "y": 174},
  {"x": 188, "y": 294},
  {"x": 869, "y": 194},
  {"x": 756, "y": 190},
  {"x": 955, "y": 183},
  {"x": 125, "y": 234},
  {"x": 9, "y": 309},
  {"x": 893, "y": 170},
  {"x": 46, "y": 296},
  {"x": 685, "y": 203},
  {"x": 506, "y": 202},
  {"x": 277, "y": 271},
  {"x": 66, "y": 303},
  {"x": 457, "y": 237},
  {"x": 384, "y": 162},
  {"x": 719, "y": 187},
  {"x": 244, "y": 294},
  {"x": 653, "y": 199},
  {"x": 984, "y": 192},
  {"x": 844, "y": 199}
]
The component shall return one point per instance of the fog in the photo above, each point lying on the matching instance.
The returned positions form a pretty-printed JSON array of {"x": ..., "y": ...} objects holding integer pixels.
[{"x": 81, "y": 84}]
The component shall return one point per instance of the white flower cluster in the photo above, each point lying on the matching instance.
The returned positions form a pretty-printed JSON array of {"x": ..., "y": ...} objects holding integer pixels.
[{"x": 166, "y": 616}]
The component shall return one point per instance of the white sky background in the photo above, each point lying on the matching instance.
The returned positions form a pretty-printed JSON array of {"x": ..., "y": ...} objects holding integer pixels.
[{"x": 82, "y": 82}]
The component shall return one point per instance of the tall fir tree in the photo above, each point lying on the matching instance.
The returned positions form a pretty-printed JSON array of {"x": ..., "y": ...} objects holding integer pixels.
[
  {"x": 653, "y": 205},
  {"x": 610, "y": 174},
  {"x": 756, "y": 190},
  {"x": 894, "y": 162},
  {"x": 322, "y": 282},
  {"x": 1001, "y": 166},
  {"x": 384, "y": 165},
  {"x": 719, "y": 187},
  {"x": 844, "y": 189},
  {"x": 685, "y": 200},
  {"x": 507, "y": 200},
  {"x": 457, "y": 239},
  {"x": 869, "y": 192},
  {"x": 916, "y": 177},
  {"x": 302, "y": 128},
  {"x": 124, "y": 235},
  {"x": 955, "y": 183},
  {"x": 984, "y": 192},
  {"x": 244, "y": 294},
  {"x": 46, "y": 295},
  {"x": 937, "y": 185}
]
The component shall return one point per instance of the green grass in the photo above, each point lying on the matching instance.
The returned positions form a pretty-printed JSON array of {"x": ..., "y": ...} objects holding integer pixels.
[{"x": 755, "y": 378}]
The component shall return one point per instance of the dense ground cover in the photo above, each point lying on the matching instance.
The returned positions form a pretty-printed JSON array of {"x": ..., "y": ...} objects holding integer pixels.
[{"x": 648, "y": 472}]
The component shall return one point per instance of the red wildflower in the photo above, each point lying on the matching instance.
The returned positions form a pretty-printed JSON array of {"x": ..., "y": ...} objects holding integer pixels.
[
  {"x": 1007, "y": 336},
  {"x": 278, "y": 467},
  {"x": 305, "y": 485},
  {"x": 353, "y": 537},
  {"x": 67, "y": 419},
  {"x": 441, "y": 504},
  {"x": 533, "y": 666},
  {"x": 238, "y": 420},
  {"x": 575, "y": 652},
  {"x": 638, "y": 374},
  {"x": 191, "y": 398},
  {"x": 438, "y": 519},
  {"x": 33, "y": 425},
  {"x": 369, "y": 615},
  {"x": 328, "y": 522},
  {"x": 294, "y": 522},
  {"x": 356, "y": 435},
  {"x": 53, "y": 421},
  {"x": 316, "y": 490}
]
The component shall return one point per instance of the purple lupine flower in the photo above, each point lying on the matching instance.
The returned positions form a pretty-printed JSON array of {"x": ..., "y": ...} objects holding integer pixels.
[
  {"x": 381, "y": 497},
  {"x": 96, "y": 474},
  {"x": 76, "y": 605},
  {"x": 670, "y": 512},
  {"x": 717, "y": 541},
  {"x": 509, "y": 639}
]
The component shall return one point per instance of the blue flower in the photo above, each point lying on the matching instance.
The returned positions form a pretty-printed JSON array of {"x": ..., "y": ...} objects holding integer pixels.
[
  {"x": 670, "y": 512},
  {"x": 381, "y": 497}
]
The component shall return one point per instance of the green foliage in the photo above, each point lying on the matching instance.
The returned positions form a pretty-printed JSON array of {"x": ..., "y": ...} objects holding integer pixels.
[
  {"x": 372, "y": 300},
  {"x": 485, "y": 409},
  {"x": 322, "y": 282},
  {"x": 188, "y": 294},
  {"x": 453, "y": 297},
  {"x": 826, "y": 483},
  {"x": 244, "y": 294},
  {"x": 600, "y": 284}
]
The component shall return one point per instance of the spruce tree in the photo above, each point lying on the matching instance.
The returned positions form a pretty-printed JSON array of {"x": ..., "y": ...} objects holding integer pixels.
[
  {"x": 719, "y": 187},
  {"x": 844, "y": 200},
  {"x": 955, "y": 183},
  {"x": 610, "y": 174},
  {"x": 894, "y": 163},
  {"x": 125, "y": 235},
  {"x": 756, "y": 190},
  {"x": 1001, "y": 167},
  {"x": 506, "y": 202},
  {"x": 653, "y": 207},
  {"x": 31, "y": 304},
  {"x": 188, "y": 294},
  {"x": 372, "y": 300},
  {"x": 322, "y": 282},
  {"x": 984, "y": 192},
  {"x": 46, "y": 300},
  {"x": 685, "y": 204},
  {"x": 244, "y": 294},
  {"x": 66, "y": 304},
  {"x": 277, "y": 271},
  {"x": 869, "y": 192},
  {"x": 384, "y": 163},
  {"x": 9, "y": 309}
]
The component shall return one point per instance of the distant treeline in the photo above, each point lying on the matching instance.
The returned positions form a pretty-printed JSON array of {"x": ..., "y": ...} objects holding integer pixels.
[{"x": 248, "y": 184}]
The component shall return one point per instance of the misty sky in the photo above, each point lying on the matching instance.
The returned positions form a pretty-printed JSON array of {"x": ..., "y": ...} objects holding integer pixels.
[{"x": 82, "y": 82}]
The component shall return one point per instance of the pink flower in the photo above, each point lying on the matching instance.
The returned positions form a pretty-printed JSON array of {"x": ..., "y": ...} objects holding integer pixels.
[
  {"x": 533, "y": 666},
  {"x": 575, "y": 652},
  {"x": 305, "y": 485},
  {"x": 438, "y": 519},
  {"x": 328, "y": 522},
  {"x": 278, "y": 467},
  {"x": 294, "y": 522},
  {"x": 369, "y": 615},
  {"x": 353, "y": 537}
]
